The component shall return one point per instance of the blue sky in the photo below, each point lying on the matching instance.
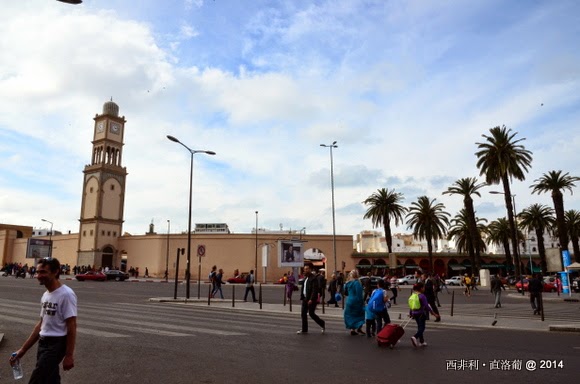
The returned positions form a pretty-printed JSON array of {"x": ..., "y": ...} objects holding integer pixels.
[{"x": 406, "y": 88}]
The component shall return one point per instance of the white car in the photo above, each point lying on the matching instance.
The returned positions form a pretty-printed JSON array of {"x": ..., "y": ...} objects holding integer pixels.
[
  {"x": 409, "y": 279},
  {"x": 455, "y": 280}
]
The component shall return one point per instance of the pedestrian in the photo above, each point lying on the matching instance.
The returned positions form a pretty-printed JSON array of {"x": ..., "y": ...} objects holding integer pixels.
[
  {"x": 535, "y": 287},
  {"x": 250, "y": 286},
  {"x": 333, "y": 290},
  {"x": 419, "y": 308},
  {"x": 444, "y": 284},
  {"x": 57, "y": 328},
  {"x": 496, "y": 290},
  {"x": 474, "y": 283},
  {"x": 429, "y": 292},
  {"x": 218, "y": 281},
  {"x": 146, "y": 271},
  {"x": 394, "y": 289},
  {"x": 290, "y": 285},
  {"x": 211, "y": 277},
  {"x": 367, "y": 287},
  {"x": 354, "y": 311},
  {"x": 321, "y": 279},
  {"x": 370, "y": 320},
  {"x": 467, "y": 284},
  {"x": 380, "y": 303},
  {"x": 309, "y": 296}
]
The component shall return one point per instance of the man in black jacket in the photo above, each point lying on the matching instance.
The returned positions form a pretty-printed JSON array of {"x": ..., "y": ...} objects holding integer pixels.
[
  {"x": 535, "y": 287},
  {"x": 309, "y": 295}
]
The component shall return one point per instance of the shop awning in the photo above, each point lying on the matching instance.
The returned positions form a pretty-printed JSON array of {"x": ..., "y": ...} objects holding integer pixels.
[
  {"x": 492, "y": 265},
  {"x": 457, "y": 267},
  {"x": 363, "y": 266},
  {"x": 536, "y": 269},
  {"x": 411, "y": 266}
]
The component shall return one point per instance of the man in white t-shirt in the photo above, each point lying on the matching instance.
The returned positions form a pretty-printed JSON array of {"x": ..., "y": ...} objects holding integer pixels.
[{"x": 56, "y": 331}]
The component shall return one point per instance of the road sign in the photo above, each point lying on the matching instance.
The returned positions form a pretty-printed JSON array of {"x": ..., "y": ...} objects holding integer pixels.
[{"x": 201, "y": 250}]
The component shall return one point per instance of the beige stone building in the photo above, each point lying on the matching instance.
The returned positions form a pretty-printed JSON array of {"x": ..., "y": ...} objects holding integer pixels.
[{"x": 101, "y": 242}]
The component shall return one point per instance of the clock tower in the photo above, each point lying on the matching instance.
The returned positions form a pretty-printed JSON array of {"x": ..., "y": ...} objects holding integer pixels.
[{"x": 103, "y": 198}]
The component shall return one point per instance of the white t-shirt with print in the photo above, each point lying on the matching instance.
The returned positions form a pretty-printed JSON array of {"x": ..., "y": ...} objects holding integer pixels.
[{"x": 56, "y": 307}]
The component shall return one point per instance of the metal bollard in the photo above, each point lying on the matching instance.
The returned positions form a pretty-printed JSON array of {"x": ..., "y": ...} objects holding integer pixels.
[
  {"x": 260, "y": 296},
  {"x": 290, "y": 302},
  {"x": 452, "y": 302},
  {"x": 209, "y": 295},
  {"x": 542, "y": 305},
  {"x": 284, "y": 290},
  {"x": 322, "y": 299},
  {"x": 233, "y": 295}
]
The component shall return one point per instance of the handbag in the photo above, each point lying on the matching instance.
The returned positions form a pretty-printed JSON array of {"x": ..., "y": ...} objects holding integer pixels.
[{"x": 337, "y": 297}]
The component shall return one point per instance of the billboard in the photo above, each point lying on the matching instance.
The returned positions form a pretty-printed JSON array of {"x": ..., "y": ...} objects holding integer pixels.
[
  {"x": 290, "y": 253},
  {"x": 37, "y": 249}
]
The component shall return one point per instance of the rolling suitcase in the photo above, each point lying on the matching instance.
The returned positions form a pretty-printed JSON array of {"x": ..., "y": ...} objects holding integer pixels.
[{"x": 391, "y": 334}]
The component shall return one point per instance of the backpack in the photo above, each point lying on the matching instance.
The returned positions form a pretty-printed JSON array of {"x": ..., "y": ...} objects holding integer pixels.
[
  {"x": 414, "y": 301},
  {"x": 248, "y": 279},
  {"x": 376, "y": 303}
]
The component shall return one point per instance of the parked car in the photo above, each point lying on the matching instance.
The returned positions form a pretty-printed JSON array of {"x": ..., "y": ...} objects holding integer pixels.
[
  {"x": 455, "y": 280},
  {"x": 91, "y": 275},
  {"x": 116, "y": 275},
  {"x": 549, "y": 286},
  {"x": 409, "y": 279},
  {"x": 239, "y": 279}
]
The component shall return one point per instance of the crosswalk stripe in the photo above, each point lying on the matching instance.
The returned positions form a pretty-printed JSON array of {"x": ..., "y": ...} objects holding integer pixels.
[{"x": 83, "y": 330}]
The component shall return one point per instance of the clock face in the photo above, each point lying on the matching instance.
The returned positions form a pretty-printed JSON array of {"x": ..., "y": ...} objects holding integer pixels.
[
  {"x": 115, "y": 128},
  {"x": 100, "y": 126}
]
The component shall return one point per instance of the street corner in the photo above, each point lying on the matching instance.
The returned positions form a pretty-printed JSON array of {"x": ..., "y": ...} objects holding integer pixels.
[{"x": 574, "y": 328}]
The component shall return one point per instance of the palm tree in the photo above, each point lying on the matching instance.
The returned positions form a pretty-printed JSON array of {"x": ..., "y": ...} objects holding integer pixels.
[
  {"x": 383, "y": 207},
  {"x": 501, "y": 158},
  {"x": 466, "y": 187},
  {"x": 555, "y": 182},
  {"x": 573, "y": 224},
  {"x": 499, "y": 233},
  {"x": 429, "y": 221},
  {"x": 460, "y": 232},
  {"x": 538, "y": 218}
]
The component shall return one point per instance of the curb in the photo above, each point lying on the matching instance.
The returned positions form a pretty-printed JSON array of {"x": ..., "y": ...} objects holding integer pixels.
[
  {"x": 1, "y": 337},
  {"x": 564, "y": 328}
]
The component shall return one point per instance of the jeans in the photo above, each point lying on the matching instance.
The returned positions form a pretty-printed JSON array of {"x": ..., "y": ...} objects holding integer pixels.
[
  {"x": 497, "y": 295},
  {"x": 250, "y": 289},
  {"x": 382, "y": 316},
  {"x": 535, "y": 301},
  {"x": 421, "y": 320},
  {"x": 309, "y": 310},
  {"x": 216, "y": 290},
  {"x": 51, "y": 351}
]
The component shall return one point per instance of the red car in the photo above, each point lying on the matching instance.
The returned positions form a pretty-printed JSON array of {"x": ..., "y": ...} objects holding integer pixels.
[
  {"x": 91, "y": 275},
  {"x": 239, "y": 279},
  {"x": 549, "y": 286}
]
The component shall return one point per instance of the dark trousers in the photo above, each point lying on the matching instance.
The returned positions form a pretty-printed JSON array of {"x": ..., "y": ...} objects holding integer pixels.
[
  {"x": 250, "y": 289},
  {"x": 395, "y": 294},
  {"x": 51, "y": 351},
  {"x": 309, "y": 310},
  {"x": 421, "y": 320},
  {"x": 431, "y": 300},
  {"x": 371, "y": 327},
  {"x": 535, "y": 301},
  {"x": 382, "y": 316}
]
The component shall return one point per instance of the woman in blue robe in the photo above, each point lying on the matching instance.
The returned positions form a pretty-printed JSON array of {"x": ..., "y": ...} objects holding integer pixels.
[{"x": 354, "y": 311}]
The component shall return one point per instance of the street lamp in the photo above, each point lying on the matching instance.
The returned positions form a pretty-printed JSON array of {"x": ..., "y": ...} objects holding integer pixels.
[
  {"x": 256, "y": 260},
  {"x": 49, "y": 239},
  {"x": 333, "y": 145},
  {"x": 515, "y": 236},
  {"x": 167, "y": 254},
  {"x": 303, "y": 230},
  {"x": 192, "y": 152},
  {"x": 530, "y": 253}
]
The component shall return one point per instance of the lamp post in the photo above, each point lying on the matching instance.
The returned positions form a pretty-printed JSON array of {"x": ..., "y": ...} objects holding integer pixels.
[
  {"x": 192, "y": 152},
  {"x": 256, "y": 260},
  {"x": 330, "y": 146},
  {"x": 530, "y": 253},
  {"x": 303, "y": 230},
  {"x": 167, "y": 254},
  {"x": 49, "y": 239}
]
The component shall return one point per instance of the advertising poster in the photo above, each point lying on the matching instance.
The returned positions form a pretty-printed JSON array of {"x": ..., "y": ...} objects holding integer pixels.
[
  {"x": 290, "y": 254},
  {"x": 37, "y": 249}
]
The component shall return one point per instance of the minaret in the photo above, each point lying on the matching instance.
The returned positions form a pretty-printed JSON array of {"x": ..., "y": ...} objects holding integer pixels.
[{"x": 101, "y": 221}]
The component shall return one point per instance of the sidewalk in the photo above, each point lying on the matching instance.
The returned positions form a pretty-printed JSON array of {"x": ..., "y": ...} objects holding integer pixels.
[{"x": 397, "y": 314}]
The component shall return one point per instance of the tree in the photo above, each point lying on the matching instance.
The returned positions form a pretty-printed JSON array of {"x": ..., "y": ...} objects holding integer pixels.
[
  {"x": 383, "y": 207},
  {"x": 538, "y": 218},
  {"x": 461, "y": 233},
  {"x": 555, "y": 182},
  {"x": 499, "y": 233},
  {"x": 466, "y": 187},
  {"x": 573, "y": 225},
  {"x": 500, "y": 158},
  {"x": 429, "y": 221}
]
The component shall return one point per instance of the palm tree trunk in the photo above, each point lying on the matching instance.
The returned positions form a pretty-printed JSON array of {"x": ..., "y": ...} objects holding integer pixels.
[
  {"x": 558, "y": 200},
  {"x": 576, "y": 247},
  {"x": 472, "y": 226},
  {"x": 388, "y": 235},
  {"x": 541, "y": 249},
  {"x": 430, "y": 251},
  {"x": 508, "y": 255},
  {"x": 512, "y": 223}
]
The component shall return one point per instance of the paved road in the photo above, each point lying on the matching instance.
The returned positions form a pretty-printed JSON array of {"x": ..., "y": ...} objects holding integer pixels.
[{"x": 123, "y": 337}]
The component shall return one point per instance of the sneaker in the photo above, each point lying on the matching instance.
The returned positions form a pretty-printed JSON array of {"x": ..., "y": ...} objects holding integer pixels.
[
  {"x": 323, "y": 331},
  {"x": 423, "y": 344},
  {"x": 414, "y": 341},
  {"x": 437, "y": 320},
  {"x": 301, "y": 332}
]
